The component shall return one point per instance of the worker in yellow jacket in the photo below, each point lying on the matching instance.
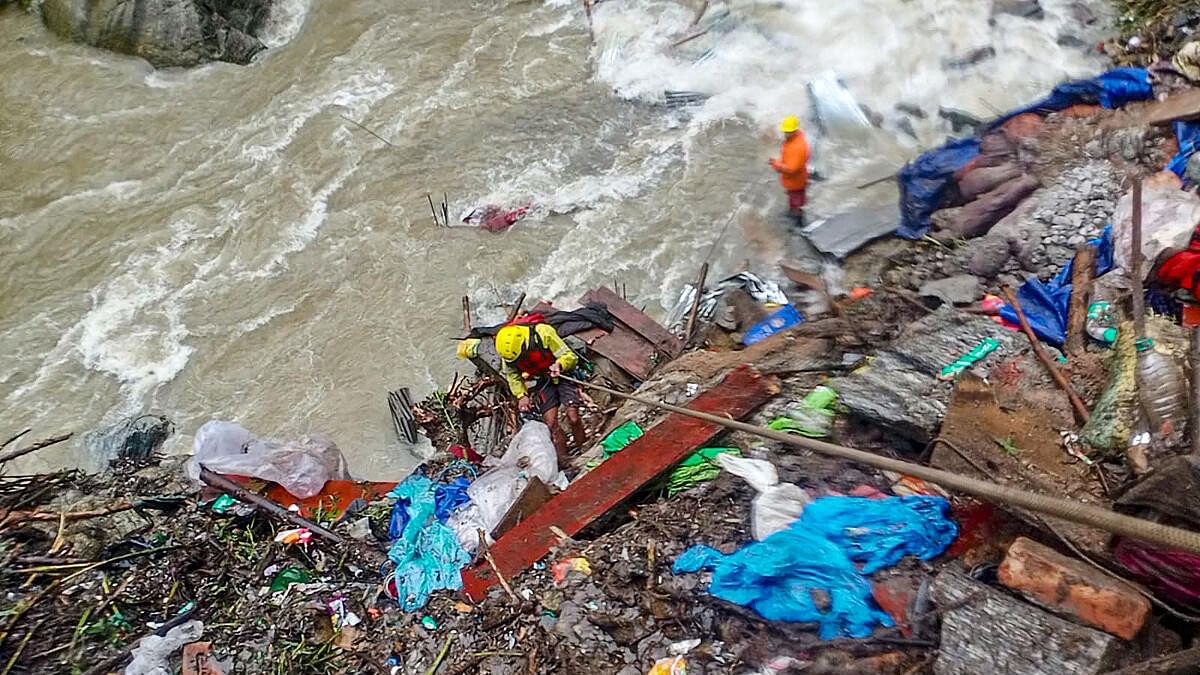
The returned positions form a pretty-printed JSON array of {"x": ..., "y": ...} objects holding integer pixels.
[
  {"x": 533, "y": 357},
  {"x": 792, "y": 166}
]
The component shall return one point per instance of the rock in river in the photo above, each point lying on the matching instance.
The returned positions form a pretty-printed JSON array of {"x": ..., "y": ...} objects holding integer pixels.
[{"x": 164, "y": 32}]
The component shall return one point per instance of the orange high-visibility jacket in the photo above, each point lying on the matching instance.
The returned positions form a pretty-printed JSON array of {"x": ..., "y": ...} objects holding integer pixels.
[{"x": 793, "y": 162}]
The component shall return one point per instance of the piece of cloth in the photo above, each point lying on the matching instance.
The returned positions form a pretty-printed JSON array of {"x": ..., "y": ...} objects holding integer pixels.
[
  {"x": 1046, "y": 304},
  {"x": 591, "y": 315},
  {"x": 797, "y": 199},
  {"x": 563, "y": 356},
  {"x": 427, "y": 554},
  {"x": 1188, "y": 136},
  {"x": 1187, "y": 61},
  {"x": 550, "y": 394},
  {"x": 699, "y": 467},
  {"x": 447, "y": 497},
  {"x": 792, "y": 164},
  {"x": 776, "y": 576}
]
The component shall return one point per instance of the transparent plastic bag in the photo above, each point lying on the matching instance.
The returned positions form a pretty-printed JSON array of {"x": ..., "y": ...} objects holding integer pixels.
[
  {"x": 153, "y": 654},
  {"x": 301, "y": 466},
  {"x": 777, "y": 505}
]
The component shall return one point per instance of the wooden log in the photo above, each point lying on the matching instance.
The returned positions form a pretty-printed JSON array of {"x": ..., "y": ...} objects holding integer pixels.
[
  {"x": 516, "y": 310},
  {"x": 690, "y": 330},
  {"x": 466, "y": 304},
  {"x": 1186, "y": 662},
  {"x": 606, "y": 486},
  {"x": 1081, "y": 411},
  {"x": 988, "y": 631},
  {"x": 1082, "y": 272},
  {"x": 13, "y": 454},
  {"x": 400, "y": 405},
  {"x": 242, "y": 494}
]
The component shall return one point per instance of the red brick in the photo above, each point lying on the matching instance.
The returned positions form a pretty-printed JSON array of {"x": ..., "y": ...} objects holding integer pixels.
[{"x": 1074, "y": 588}]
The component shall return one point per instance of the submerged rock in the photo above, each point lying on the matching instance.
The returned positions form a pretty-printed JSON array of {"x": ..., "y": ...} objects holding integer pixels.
[
  {"x": 164, "y": 32},
  {"x": 1028, "y": 9}
]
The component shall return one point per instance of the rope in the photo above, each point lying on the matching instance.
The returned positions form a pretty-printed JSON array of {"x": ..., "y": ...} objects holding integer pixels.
[{"x": 1076, "y": 512}]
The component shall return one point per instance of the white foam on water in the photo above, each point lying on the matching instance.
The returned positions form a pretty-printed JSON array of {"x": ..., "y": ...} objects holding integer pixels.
[
  {"x": 284, "y": 22},
  {"x": 121, "y": 190}
]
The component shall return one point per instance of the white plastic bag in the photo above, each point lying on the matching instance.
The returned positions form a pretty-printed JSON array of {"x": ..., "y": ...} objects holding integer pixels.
[
  {"x": 530, "y": 453},
  {"x": 777, "y": 505},
  {"x": 301, "y": 466},
  {"x": 1168, "y": 217},
  {"x": 153, "y": 654}
]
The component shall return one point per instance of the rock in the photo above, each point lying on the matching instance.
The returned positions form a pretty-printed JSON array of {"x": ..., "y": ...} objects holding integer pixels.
[
  {"x": 875, "y": 118},
  {"x": 1028, "y": 9},
  {"x": 959, "y": 120},
  {"x": 164, "y": 32},
  {"x": 988, "y": 256},
  {"x": 984, "y": 179},
  {"x": 911, "y": 109},
  {"x": 958, "y": 290},
  {"x": 133, "y": 438},
  {"x": 904, "y": 124},
  {"x": 977, "y": 218},
  {"x": 1067, "y": 586},
  {"x": 1071, "y": 42},
  {"x": 1082, "y": 13},
  {"x": 971, "y": 58}
]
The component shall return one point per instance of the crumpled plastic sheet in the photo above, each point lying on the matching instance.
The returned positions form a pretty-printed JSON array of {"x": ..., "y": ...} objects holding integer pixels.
[
  {"x": 153, "y": 654},
  {"x": 1046, "y": 304},
  {"x": 446, "y": 497},
  {"x": 925, "y": 182},
  {"x": 1188, "y": 135},
  {"x": 302, "y": 466},
  {"x": 427, "y": 554},
  {"x": 762, "y": 290},
  {"x": 775, "y": 576}
]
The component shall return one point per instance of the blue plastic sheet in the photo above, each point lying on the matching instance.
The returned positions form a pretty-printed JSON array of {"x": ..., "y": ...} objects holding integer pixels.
[
  {"x": 447, "y": 498},
  {"x": 781, "y": 319},
  {"x": 926, "y": 182},
  {"x": 427, "y": 554},
  {"x": 1188, "y": 135},
  {"x": 775, "y": 576},
  {"x": 1046, "y": 304}
]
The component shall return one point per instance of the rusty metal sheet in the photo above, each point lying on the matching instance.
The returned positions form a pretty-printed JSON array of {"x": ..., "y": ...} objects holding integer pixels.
[
  {"x": 637, "y": 320},
  {"x": 628, "y": 350},
  {"x": 599, "y": 491}
]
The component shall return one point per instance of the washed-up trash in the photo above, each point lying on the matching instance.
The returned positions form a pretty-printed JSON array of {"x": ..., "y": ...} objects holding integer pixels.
[
  {"x": 563, "y": 567},
  {"x": 495, "y": 218},
  {"x": 777, "y": 504},
  {"x": 530, "y": 453},
  {"x": 780, "y": 320},
  {"x": 223, "y": 503},
  {"x": 340, "y": 616},
  {"x": 763, "y": 291},
  {"x": 699, "y": 467},
  {"x": 1162, "y": 389},
  {"x": 429, "y": 622},
  {"x": 1102, "y": 322},
  {"x": 447, "y": 497},
  {"x": 776, "y": 576},
  {"x": 619, "y": 438},
  {"x": 296, "y": 535},
  {"x": 672, "y": 665},
  {"x": 301, "y": 466},
  {"x": 812, "y": 416},
  {"x": 978, "y": 353},
  {"x": 153, "y": 654},
  {"x": 427, "y": 554},
  {"x": 288, "y": 576}
]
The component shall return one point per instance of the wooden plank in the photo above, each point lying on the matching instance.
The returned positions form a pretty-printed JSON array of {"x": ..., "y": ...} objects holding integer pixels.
[
  {"x": 533, "y": 497},
  {"x": 1184, "y": 105},
  {"x": 637, "y": 320},
  {"x": 599, "y": 491},
  {"x": 628, "y": 350}
]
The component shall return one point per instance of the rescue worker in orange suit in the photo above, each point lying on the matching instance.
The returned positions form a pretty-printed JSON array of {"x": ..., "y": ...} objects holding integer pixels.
[
  {"x": 792, "y": 166},
  {"x": 533, "y": 357}
]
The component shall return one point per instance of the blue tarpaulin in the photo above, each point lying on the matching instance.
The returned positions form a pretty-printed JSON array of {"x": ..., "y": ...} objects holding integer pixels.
[
  {"x": 1045, "y": 304},
  {"x": 447, "y": 497},
  {"x": 776, "y": 576},
  {"x": 926, "y": 182},
  {"x": 427, "y": 554},
  {"x": 1188, "y": 135}
]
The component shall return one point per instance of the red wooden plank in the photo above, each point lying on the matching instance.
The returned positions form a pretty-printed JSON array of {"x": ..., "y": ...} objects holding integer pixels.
[
  {"x": 628, "y": 350},
  {"x": 636, "y": 319},
  {"x": 661, "y": 447}
]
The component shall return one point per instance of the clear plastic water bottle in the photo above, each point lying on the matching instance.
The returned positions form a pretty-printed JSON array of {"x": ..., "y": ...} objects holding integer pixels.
[{"x": 1162, "y": 389}]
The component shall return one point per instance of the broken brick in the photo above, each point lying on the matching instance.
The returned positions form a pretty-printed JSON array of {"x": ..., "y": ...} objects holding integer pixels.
[{"x": 1069, "y": 586}]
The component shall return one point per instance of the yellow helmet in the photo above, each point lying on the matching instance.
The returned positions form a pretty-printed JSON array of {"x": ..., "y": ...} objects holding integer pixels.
[
  {"x": 468, "y": 348},
  {"x": 511, "y": 341},
  {"x": 789, "y": 124}
]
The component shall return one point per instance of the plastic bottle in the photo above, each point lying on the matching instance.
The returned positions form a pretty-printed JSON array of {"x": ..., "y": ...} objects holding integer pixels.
[
  {"x": 1101, "y": 325},
  {"x": 1162, "y": 389}
]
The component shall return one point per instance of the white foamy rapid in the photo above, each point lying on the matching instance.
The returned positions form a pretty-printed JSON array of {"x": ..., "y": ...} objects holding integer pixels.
[{"x": 222, "y": 242}]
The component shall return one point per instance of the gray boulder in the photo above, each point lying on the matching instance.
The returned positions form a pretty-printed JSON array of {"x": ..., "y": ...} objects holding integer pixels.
[
  {"x": 164, "y": 32},
  {"x": 1029, "y": 9}
]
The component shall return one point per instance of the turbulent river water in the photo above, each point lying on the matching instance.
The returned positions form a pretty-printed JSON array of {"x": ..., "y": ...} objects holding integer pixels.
[{"x": 220, "y": 242}]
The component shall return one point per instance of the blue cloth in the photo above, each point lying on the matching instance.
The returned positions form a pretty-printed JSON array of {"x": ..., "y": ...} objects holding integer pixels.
[
  {"x": 447, "y": 497},
  {"x": 781, "y": 319},
  {"x": 775, "y": 576},
  {"x": 1046, "y": 304},
  {"x": 1188, "y": 135},
  {"x": 427, "y": 554},
  {"x": 927, "y": 182}
]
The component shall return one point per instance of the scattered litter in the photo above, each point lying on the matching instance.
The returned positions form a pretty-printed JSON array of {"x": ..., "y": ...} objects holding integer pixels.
[
  {"x": 297, "y": 535},
  {"x": 288, "y": 576},
  {"x": 812, "y": 416},
  {"x": 429, "y": 622},
  {"x": 301, "y": 466},
  {"x": 698, "y": 468},
  {"x": 977, "y": 354},
  {"x": 564, "y": 567},
  {"x": 782, "y": 319},
  {"x": 153, "y": 654},
  {"x": 776, "y": 505},
  {"x": 673, "y": 665},
  {"x": 223, "y": 503}
]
